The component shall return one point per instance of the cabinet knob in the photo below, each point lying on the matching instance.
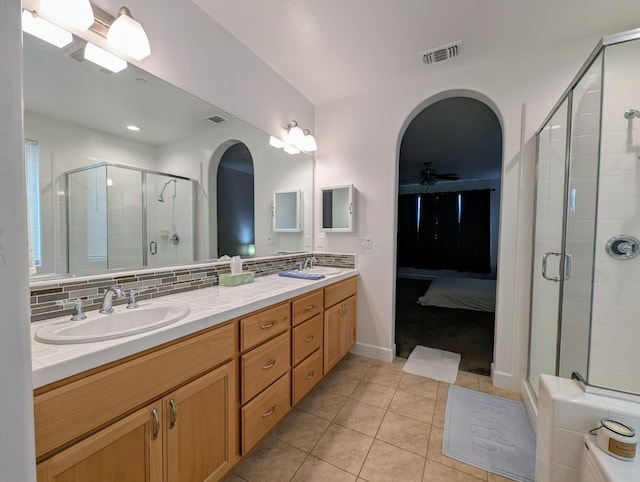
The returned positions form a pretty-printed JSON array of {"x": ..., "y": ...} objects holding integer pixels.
[
  {"x": 266, "y": 326},
  {"x": 309, "y": 339},
  {"x": 270, "y": 364},
  {"x": 309, "y": 376},
  {"x": 266, "y": 414},
  {"x": 174, "y": 413},
  {"x": 156, "y": 421},
  {"x": 309, "y": 308}
]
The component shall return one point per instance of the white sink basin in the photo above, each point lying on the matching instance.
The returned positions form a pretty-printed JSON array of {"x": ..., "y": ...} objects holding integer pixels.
[
  {"x": 97, "y": 327},
  {"x": 325, "y": 270}
]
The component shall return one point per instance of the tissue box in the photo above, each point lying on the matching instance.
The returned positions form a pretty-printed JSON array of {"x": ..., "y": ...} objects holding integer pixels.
[{"x": 228, "y": 279}]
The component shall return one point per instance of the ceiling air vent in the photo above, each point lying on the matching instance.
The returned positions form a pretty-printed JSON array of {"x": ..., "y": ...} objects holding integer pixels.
[
  {"x": 217, "y": 119},
  {"x": 443, "y": 53}
]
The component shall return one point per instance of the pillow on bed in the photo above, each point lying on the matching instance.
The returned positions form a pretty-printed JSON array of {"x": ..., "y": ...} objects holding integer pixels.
[{"x": 461, "y": 293}]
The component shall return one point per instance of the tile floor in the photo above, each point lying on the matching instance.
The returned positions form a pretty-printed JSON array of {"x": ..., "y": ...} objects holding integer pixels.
[{"x": 366, "y": 420}]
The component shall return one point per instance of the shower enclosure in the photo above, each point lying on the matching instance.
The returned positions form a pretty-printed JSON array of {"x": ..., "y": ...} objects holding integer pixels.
[
  {"x": 585, "y": 294},
  {"x": 124, "y": 217}
]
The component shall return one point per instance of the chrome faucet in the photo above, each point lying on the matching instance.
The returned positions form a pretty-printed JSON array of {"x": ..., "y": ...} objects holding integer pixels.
[
  {"x": 309, "y": 262},
  {"x": 107, "y": 307}
]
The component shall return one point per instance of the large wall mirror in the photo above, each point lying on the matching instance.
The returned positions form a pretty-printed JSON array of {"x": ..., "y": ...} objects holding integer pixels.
[{"x": 76, "y": 116}]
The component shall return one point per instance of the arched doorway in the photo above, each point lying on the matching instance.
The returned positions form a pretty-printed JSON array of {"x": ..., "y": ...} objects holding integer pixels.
[
  {"x": 235, "y": 202},
  {"x": 448, "y": 218}
]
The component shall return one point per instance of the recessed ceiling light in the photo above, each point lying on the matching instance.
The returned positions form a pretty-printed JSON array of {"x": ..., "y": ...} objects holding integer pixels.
[{"x": 133, "y": 128}]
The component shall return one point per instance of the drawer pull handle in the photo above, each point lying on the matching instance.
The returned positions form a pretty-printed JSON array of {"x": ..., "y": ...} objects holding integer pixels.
[
  {"x": 266, "y": 414},
  {"x": 309, "y": 308},
  {"x": 268, "y": 325},
  {"x": 174, "y": 413},
  {"x": 309, "y": 376},
  {"x": 309, "y": 338},
  {"x": 156, "y": 421},
  {"x": 271, "y": 364}
]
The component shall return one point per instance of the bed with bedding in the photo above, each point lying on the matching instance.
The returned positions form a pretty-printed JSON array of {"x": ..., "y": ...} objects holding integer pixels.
[{"x": 461, "y": 293}]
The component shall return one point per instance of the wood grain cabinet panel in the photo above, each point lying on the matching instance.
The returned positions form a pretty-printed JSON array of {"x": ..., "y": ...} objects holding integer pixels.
[
  {"x": 256, "y": 328},
  {"x": 307, "y": 338},
  {"x": 265, "y": 364},
  {"x": 307, "y": 306},
  {"x": 306, "y": 375},
  {"x": 339, "y": 291}
]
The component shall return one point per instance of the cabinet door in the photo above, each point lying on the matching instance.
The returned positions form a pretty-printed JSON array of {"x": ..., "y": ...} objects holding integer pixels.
[
  {"x": 349, "y": 314},
  {"x": 130, "y": 449},
  {"x": 201, "y": 427},
  {"x": 333, "y": 336}
]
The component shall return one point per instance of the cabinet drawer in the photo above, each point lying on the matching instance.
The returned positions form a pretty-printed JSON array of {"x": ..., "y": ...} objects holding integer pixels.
[
  {"x": 69, "y": 411},
  {"x": 263, "y": 325},
  {"x": 307, "y": 338},
  {"x": 306, "y": 375},
  {"x": 339, "y": 291},
  {"x": 262, "y": 413},
  {"x": 307, "y": 306},
  {"x": 263, "y": 365}
]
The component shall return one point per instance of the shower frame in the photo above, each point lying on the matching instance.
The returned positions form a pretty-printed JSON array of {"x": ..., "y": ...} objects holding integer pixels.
[
  {"x": 144, "y": 204},
  {"x": 567, "y": 96}
]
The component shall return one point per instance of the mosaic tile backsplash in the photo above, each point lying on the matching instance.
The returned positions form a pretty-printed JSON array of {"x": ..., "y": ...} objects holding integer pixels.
[{"x": 161, "y": 282}]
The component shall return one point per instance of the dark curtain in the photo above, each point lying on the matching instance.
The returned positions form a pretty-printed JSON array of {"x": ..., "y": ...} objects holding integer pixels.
[{"x": 445, "y": 231}]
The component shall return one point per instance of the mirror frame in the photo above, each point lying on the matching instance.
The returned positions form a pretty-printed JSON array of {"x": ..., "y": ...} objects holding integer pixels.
[
  {"x": 298, "y": 209},
  {"x": 349, "y": 228}
]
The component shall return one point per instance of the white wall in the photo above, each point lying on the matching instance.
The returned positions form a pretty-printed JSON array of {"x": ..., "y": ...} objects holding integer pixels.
[
  {"x": 359, "y": 140},
  {"x": 17, "y": 449}
]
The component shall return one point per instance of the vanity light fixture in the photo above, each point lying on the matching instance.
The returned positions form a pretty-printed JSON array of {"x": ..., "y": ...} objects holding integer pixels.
[
  {"x": 133, "y": 127},
  {"x": 74, "y": 13},
  {"x": 44, "y": 30},
  {"x": 103, "y": 58},
  {"x": 127, "y": 35},
  {"x": 301, "y": 139},
  {"x": 275, "y": 142},
  {"x": 290, "y": 149}
]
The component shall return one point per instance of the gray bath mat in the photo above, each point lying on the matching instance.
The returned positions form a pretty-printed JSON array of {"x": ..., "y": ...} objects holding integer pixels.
[
  {"x": 433, "y": 363},
  {"x": 489, "y": 432}
]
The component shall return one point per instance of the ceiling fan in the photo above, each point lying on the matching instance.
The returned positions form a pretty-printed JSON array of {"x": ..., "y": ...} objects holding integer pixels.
[{"x": 429, "y": 176}]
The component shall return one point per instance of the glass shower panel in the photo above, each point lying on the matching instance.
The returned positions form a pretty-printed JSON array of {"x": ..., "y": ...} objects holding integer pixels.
[
  {"x": 124, "y": 217},
  {"x": 547, "y": 252},
  {"x": 170, "y": 236},
  {"x": 582, "y": 190},
  {"x": 87, "y": 219}
]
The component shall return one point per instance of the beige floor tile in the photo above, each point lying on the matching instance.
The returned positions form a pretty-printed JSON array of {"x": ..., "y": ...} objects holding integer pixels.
[
  {"x": 353, "y": 369},
  {"x": 271, "y": 460},
  {"x": 413, "y": 406},
  {"x": 322, "y": 404},
  {"x": 373, "y": 394},
  {"x": 343, "y": 447},
  {"x": 353, "y": 358},
  {"x": 405, "y": 433},
  {"x": 443, "y": 391},
  {"x": 435, "y": 472},
  {"x": 439, "y": 413},
  {"x": 468, "y": 380},
  {"x": 426, "y": 387},
  {"x": 315, "y": 470},
  {"x": 383, "y": 376},
  {"x": 487, "y": 387},
  {"x": 397, "y": 364},
  {"x": 435, "y": 453},
  {"x": 301, "y": 429},
  {"x": 361, "y": 417},
  {"x": 389, "y": 463},
  {"x": 338, "y": 384}
]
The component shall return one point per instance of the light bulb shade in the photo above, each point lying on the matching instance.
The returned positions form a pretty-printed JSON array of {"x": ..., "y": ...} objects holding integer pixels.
[
  {"x": 103, "y": 58},
  {"x": 290, "y": 149},
  {"x": 275, "y": 142},
  {"x": 75, "y": 13},
  {"x": 308, "y": 142},
  {"x": 294, "y": 134},
  {"x": 128, "y": 36},
  {"x": 39, "y": 27}
]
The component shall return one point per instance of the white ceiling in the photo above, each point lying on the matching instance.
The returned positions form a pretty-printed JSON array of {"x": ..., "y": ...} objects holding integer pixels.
[{"x": 333, "y": 49}]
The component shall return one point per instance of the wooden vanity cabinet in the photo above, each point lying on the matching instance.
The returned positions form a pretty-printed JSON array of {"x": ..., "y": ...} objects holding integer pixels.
[{"x": 340, "y": 321}]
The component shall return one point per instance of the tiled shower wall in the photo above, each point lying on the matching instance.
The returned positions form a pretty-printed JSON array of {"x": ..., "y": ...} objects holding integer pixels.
[
  {"x": 615, "y": 332},
  {"x": 160, "y": 282}
]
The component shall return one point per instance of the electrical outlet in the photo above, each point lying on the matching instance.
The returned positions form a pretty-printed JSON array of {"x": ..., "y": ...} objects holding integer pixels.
[
  {"x": 321, "y": 241},
  {"x": 272, "y": 241},
  {"x": 365, "y": 242}
]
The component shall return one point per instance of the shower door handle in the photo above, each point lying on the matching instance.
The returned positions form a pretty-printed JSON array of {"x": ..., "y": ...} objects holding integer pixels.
[
  {"x": 544, "y": 266},
  {"x": 568, "y": 266},
  {"x": 153, "y": 247}
]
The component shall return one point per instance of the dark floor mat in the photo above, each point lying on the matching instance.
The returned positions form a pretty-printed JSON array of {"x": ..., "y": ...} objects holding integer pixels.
[{"x": 469, "y": 333}]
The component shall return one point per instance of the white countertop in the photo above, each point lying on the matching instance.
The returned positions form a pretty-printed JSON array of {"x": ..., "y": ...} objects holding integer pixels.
[{"x": 209, "y": 307}]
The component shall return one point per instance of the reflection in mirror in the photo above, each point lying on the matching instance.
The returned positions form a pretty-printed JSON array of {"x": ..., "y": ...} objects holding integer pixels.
[
  {"x": 286, "y": 211},
  {"x": 76, "y": 116},
  {"x": 337, "y": 208}
]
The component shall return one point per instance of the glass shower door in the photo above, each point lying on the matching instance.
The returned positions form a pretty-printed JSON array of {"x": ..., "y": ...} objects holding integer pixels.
[{"x": 547, "y": 248}]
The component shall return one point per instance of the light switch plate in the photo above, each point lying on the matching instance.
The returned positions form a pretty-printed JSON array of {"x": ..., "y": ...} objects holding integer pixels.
[{"x": 364, "y": 243}]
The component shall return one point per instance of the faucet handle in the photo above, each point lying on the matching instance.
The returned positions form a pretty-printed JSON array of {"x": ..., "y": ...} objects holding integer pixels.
[
  {"x": 133, "y": 302},
  {"x": 78, "y": 312}
]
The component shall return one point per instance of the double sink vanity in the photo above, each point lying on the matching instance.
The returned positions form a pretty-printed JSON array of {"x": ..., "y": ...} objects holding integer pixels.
[{"x": 187, "y": 398}]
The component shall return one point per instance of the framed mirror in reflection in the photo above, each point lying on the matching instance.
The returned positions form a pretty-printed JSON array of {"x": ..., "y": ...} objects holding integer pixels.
[
  {"x": 215, "y": 174},
  {"x": 337, "y": 208}
]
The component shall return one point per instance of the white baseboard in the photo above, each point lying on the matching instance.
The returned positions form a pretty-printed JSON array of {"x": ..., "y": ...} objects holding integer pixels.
[
  {"x": 372, "y": 351},
  {"x": 502, "y": 379},
  {"x": 531, "y": 403}
]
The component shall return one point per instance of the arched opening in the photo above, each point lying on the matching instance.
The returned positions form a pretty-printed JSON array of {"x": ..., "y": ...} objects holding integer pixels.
[
  {"x": 450, "y": 164},
  {"x": 235, "y": 202}
]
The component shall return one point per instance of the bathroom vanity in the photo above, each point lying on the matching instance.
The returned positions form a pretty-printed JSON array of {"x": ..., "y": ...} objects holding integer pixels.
[{"x": 189, "y": 400}]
